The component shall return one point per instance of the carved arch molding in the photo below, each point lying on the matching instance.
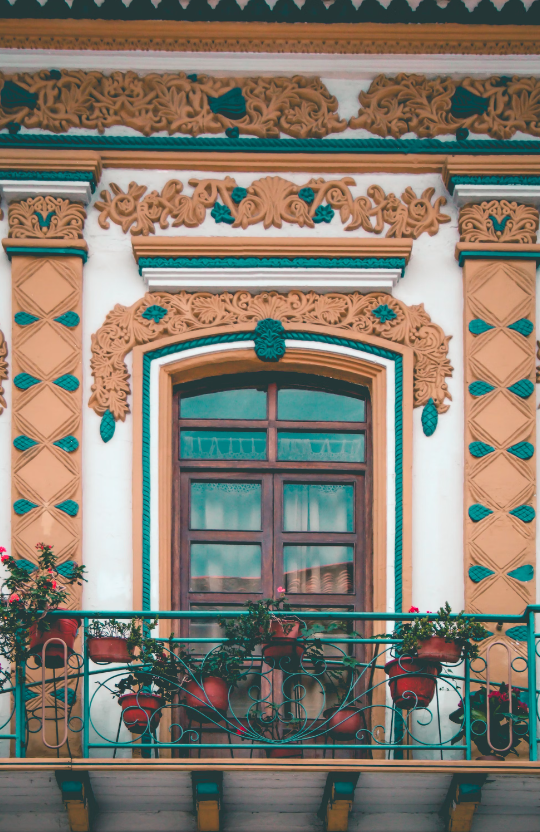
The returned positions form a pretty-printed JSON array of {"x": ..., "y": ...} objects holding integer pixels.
[{"x": 161, "y": 314}]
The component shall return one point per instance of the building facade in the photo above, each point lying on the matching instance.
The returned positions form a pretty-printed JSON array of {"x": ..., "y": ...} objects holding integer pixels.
[{"x": 267, "y": 331}]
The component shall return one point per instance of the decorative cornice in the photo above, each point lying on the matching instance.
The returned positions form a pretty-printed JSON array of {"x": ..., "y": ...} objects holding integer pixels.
[
  {"x": 161, "y": 314},
  {"x": 498, "y": 221},
  {"x": 261, "y": 247},
  {"x": 270, "y": 263},
  {"x": 3, "y": 370},
  {"x": 71, "y": 165},
  {"x": 496, "y": 251},
  {"x": 502, "y": 181},
  {"x": 271, "y": 201},
  {"x": 45, "y": 248},
  {"x": 325, "y": 38},
  {"x": 402, "y": 104},
  {"x": 46, "y": 218},
  {"x": 264, "y": 107}
]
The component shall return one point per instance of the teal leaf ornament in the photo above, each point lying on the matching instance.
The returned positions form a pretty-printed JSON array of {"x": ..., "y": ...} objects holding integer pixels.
[
  {"x": 523, "y": 450},
  {"x": 323, "y": 213},
  {"x": 478, "y": 326},
  {"x": 306, "y": 195},
  {"x": 107, "y": 426},
  {"x": 222, "y": 213},
  {"x": 522, "y": 573},
  {"x": 238, "y": 194},
  {"x": 478, "y": 512},
  {"x": 27, "y": 565},
  {"x": 45, "y": 222},
  {"x": 66, "y": 569},
  {"x": 67, "y": 382},
  {"x": 67, "y": 443},
  {"x": 524, "y": 513},
  {"x": 479, "y": 573},
  {"x": 518, "y": 633},
  {"x": 499, "y": 225},
  {"x": 25, "y": 318},
  {"x": 384, "y": 313},
  {"x": 68, "y": 507},
  {"x": 523, "y": 388},
  {"x": 154, "y": 313},
  {"x": 480, "y": 388},
  {"x": 430, "y": 418},
  {"x": 479, "y": 449},
  {"x": 69, "y": 319},
  {"x": 269, "y": 340},
  {"x": 23, "y": 506},
  {"x": 523, "y": 326},
  {"x": 24, "y": 381},
  {"x": 465, "y": 103},
  {"x": 22, "y": 442},
  {"x": 231, "y": 104}
]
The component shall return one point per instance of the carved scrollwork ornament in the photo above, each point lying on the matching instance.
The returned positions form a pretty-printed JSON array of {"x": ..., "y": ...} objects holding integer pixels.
[
  {"x": 46, "y": 218},
  {"x": 498, "y": 221},
  {"x": 271, "y": 201},
  {"x": 161, "y": 315},
  {"x": 3, "y": 370}
]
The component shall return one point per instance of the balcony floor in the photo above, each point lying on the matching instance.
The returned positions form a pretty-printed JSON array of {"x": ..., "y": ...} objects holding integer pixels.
[{"x": 262, "y": 796}]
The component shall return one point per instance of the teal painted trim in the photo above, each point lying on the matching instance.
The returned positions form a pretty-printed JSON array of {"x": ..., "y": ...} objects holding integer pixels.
[
  {"x": 491, "y": 180},
  {"x": 171, "y": 349},
  {"x": 272, "y": 263},
  {"x": 498, "y": 255},
  {"x": 50, "y": 176},
  {"x": 222, "y": 144},
  {"x": 36, "y": 251}
]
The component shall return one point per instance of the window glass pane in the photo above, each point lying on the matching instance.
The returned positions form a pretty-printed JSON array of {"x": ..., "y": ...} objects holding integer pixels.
[
  {"x": 317, "y": 508},
  {"x": 318, "y": 406},
  {"x": 225, "y": 404},
  {"x": 323, "y": 569},
  {"x": 321, "y": 447},
  {"x": 225, "y": 567},
  {"x": 226, "y": 505},
  {"x": 222, "y": 444}
]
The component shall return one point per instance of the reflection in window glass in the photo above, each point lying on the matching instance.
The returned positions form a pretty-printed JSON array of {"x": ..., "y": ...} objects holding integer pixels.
[
  {"x": 225, "y": 404},
  {"x": 321, "y": 569},
  {"x": 225, "y": 567},
  {"x": 318, "y": 406},
  {"x": 222, "y": 444},
  {"x": 226, "y": 505},
  {"x": 321, "y": 447},
  {"x": 311, "y": 507}
]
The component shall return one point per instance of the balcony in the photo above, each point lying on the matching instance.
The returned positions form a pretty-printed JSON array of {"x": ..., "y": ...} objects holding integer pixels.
[{"x": 316, "y": 727}]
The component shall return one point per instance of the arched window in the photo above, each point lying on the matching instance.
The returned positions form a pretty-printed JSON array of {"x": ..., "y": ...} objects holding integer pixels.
[{"x": 271, "y": 489}]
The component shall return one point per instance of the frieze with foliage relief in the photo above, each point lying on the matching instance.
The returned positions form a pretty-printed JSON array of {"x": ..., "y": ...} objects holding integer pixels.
[
  {"x": 498, "y": 221},
  {"x": 271, "y": 201},
  {"x": 184, "y": 314},
  {"x": 46, "y": 218},
  {"x": 173, "y": 102},
  {"x": 498, "y": 106}
]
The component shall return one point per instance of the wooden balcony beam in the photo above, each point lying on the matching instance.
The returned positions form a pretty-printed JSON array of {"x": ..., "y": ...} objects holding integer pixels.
[
  {"x": 463, "y": 798},
  {"x": 337, "y": 801},
  {"x": 207, "y": 799},
  {"x": 78, "y": 799}
]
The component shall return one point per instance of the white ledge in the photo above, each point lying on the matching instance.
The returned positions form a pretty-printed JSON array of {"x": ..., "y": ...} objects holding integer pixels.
[
  {"x": 260, "y": 280},
  {"x": 14, "y": 190},
  {"x": 528, "y": 194}
]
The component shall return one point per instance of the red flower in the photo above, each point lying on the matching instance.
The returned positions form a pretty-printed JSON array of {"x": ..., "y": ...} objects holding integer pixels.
[
  {"x": 241, "y": 731},
  {"x": 5, "y": 558},
  {"x": 54, "y": 584},
  {"x": 414, "y": 609},
  {"x": 13, "y": 597},
  {"x": 2, "y": 549},
  {"x": 49, "y": 569},
  {"x": 281, "y": 589}
]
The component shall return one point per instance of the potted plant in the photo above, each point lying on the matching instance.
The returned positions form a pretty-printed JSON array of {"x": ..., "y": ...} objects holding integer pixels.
[
  {"x": 344, "y": 718},
  {"x": 208, "y": 680},
  {"x": 29, "y": 597},
  {"x": 508, "y": 725},
  {"x": 152, "y": 684},
  {"x": 112, "y": 641},
  {"x": 280, "y": 637},
  {"x": 412, "y": 681},
  {"x": 445, "y": 639}
]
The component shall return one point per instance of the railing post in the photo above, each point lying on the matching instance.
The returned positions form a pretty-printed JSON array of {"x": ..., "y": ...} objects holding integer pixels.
[
  {"x": 467, "y": 708},
  {"x": 20, "y": 674},
  {"x": 531, "y": 662},
  {"x": 86, "y": 693}
]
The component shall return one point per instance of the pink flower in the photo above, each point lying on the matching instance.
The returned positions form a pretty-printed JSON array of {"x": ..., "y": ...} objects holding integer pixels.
[
  {"x": 281, "y": 589},
  {"x": 54, "y": 584},
  {"x": 428, "y": 612},
  {"x": 414, "y": 609},
  {"x": 13, "y": 597},
  {"x": 5, "y": 558},
  {"x": 2, "y": 549},
  {"x": 241, "y": 731}
]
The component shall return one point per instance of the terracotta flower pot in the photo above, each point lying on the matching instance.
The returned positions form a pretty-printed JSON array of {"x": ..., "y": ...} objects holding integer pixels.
[
  {"x": 412, "y": 681},
  {"x": 280, "y": 753},
  {"x": 107, "y": 649},
  {"x": 436, "y": 649},
  {"x": 62, "y": 628},
  {"x": 208, "y": 697},
  {"x": 344, "y": 723},
  {"x": 140, "y": 711},
  {"x": 282, "y": 645}
]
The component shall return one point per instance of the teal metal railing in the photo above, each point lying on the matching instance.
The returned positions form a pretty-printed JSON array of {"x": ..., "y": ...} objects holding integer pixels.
[{"x": 285, "y": 705}]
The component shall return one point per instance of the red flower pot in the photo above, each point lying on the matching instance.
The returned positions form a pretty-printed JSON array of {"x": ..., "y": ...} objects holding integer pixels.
[
  {"x": 107, "y": 649},
  {"x": 436, "y": 649},
  {"x": 282, "y": 645},
  {"x": 212, "y": 696},
  {"x": 344, "y": 723},
  {"x": 280, "y": 753},
  {"x": 140, "y": 711},
  {"x": 412, "y": 681},
  {"x": 62, "y": 628}
]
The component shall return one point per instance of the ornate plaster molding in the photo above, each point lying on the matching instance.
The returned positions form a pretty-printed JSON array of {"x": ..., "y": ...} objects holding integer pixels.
[
  {"x": 271, "y": 201},
  {"x": 429, "y": 107},
  {"x": 3, "y": 370},
  {"x": 160, "y": 314},
  {"x": 46, "y": 218},
  {"x": 498, "y": 221},
  {"x": 325, "y": 38},
  {"x": 265, "y": 107}
]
